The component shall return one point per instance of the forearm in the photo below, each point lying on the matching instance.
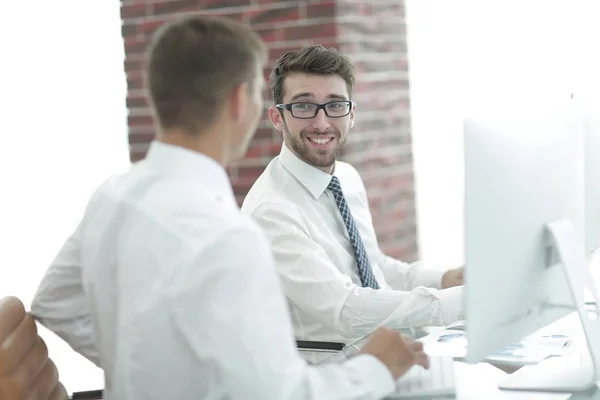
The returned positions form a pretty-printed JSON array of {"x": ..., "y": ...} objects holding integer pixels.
[
  {"x": 364, "y": 312},
  {"x": 407, "y": 276}
]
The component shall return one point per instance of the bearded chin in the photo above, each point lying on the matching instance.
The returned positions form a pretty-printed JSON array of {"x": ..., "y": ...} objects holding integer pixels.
[{"x": 309, "y": 155}]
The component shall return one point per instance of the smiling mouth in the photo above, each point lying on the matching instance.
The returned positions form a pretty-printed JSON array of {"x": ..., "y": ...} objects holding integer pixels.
[{"x": 320, "y": 141}]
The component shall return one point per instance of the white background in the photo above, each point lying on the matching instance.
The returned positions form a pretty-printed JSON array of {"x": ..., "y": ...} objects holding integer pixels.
[
  {"x": 63, "y": 131},
  {"x": 466, "y": 53}
]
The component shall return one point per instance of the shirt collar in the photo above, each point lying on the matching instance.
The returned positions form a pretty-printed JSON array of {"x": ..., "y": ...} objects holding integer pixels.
[
  {"x": 312, "y": 178},
  {"x": 179, "y": 161}
]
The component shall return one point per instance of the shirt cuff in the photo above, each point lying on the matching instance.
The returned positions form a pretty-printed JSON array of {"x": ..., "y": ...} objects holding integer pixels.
[
  {"x": 451, "y": 300},
  {"x": 374, "y": 374}
]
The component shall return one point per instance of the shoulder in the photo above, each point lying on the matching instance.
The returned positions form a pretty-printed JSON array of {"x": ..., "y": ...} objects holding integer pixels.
[
  {"x": 236, "y": 246},
  {"x": 274, "y": 185},
  {"x": 232, "y": 255},
  {"x": 277, "y": 219}
]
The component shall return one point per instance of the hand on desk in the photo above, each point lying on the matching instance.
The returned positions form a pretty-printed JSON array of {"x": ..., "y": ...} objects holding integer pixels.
[
  {"x": 453, "y": 277},
  {"x": 396, "y": 352}
]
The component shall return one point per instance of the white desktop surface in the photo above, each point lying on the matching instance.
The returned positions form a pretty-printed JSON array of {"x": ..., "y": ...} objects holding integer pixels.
[{"x": 480, "y": 382}]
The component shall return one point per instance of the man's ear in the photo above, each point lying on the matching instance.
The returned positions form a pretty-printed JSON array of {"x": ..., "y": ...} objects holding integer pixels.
[
  {"x": 352, "y": 114},
  {"x": 276, "y": 118},
  {"x": 238, "y": 101}
]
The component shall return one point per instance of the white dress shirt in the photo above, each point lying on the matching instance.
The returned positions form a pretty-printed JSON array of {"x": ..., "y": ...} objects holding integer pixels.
[
  {"x": 173, "y": 292},
  {"x": 316, "y": 262}
]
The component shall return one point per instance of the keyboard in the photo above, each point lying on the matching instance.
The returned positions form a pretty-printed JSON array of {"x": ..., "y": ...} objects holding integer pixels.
[{"x": 419, "y": 383}]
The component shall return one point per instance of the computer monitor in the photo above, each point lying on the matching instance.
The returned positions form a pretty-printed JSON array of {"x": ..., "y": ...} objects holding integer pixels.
[
  {"x": 590, "y": 108},
  {"x": 589, "y": 104},
  {"x": 525, "y": 258}
]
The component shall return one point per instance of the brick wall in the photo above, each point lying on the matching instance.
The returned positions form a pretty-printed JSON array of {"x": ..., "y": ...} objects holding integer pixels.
[{"x": 371, "y": 33}]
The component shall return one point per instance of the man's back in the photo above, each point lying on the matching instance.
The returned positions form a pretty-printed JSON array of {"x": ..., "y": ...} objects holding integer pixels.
[{"x": 141, "y": 234}]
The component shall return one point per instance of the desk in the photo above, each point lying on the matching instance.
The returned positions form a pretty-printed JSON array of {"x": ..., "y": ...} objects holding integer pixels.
[{"x": 480, "y": 381}]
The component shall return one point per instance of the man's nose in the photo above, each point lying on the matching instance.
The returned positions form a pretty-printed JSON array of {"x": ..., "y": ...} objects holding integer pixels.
[{"x": 321, "y": 121}]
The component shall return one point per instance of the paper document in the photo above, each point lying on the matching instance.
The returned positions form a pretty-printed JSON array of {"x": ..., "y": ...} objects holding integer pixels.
[{"x": 527, "y": 352}]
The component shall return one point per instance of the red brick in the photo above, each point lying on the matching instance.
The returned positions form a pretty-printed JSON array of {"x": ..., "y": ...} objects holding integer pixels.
[
  {"x": 218, "y": 4},
  {"x": 306, "y": 32},
  {"x": 274, "y": 148},
  {"x": 323, "y": 9},
  {"x": 140, "y": 120},
  {"x": 133, "y": 65},
  {"x": 135, "y": 81},
  {"x": 170, "y": 7},
  {"x": 276, "y": 52},
  {"x": 148, "y": 27},
  {"x": 137, "y": 102},
  {"x": 273, "y": 15},
  {"x": 267, "y": 34},
  {"x": 141, "y": 138},
  {"x": 356, "y": 8},
  {"x": 263, "y": 133},
  {"x": 254, "y": 151},
  {"x": 129, "y": 29},
  {"x": 239, "y": 16},
  {"x": 247, "y": 177},
  {"x": 133, "y": 11},
  {"x": 135, "y": 44},
  {"x": 136, "y": 156},
  {"x": 266, "y": 2}
]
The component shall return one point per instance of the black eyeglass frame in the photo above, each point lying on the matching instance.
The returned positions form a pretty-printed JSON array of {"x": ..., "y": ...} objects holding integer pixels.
[{"x": 289, "y": 107}]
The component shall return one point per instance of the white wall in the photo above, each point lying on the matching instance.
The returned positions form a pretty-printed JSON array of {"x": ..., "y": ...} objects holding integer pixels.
[
  {"x": 470, "y": 52},
  {"x": 63, "y": 130}
]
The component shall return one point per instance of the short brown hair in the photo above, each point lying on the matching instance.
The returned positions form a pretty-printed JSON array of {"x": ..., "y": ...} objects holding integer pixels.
[
  {"x": 313, "y": 59},
  {"x": 194, "y": 63}
]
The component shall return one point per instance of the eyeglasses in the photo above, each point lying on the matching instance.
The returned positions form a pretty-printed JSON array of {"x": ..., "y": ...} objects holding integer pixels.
[{"x": 304, "y": 110}]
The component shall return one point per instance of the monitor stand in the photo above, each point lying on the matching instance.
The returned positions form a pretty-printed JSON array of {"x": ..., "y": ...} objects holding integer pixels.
[{"x": 567, "y": 374}]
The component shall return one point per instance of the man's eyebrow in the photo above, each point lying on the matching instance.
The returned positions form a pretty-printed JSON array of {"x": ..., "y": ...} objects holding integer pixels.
[
  {"x": 308, "y": 94},
  {"x": 303, "y": 94}
]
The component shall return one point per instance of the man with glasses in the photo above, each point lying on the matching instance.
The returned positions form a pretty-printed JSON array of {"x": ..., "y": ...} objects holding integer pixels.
[{"x": 314, "y": 209}]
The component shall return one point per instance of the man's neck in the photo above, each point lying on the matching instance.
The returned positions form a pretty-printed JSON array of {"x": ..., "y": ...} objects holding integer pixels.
[{"x": 208, "y": 143}]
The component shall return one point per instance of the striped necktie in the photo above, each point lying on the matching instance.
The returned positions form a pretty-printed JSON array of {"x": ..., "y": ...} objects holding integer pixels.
[{"x": 362, "y": 261}]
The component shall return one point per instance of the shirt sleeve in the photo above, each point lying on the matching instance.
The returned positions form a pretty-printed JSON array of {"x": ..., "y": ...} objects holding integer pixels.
[
  {"x": 60, "y": 305},
  {"x": 408, "y": 276},
  {"x": 312, "y": 283},
  {"x": 251, "y": 338}
]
